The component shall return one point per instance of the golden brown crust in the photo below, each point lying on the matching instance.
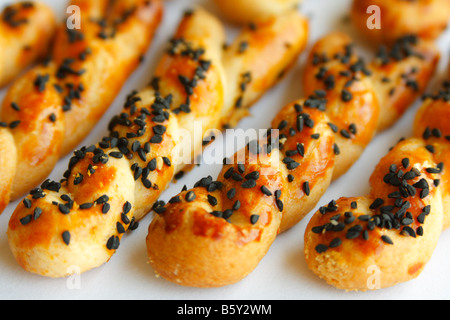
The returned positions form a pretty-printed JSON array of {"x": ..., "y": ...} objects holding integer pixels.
[
  {"x": 431, "y": 125},
  {"x": 386, "y": 237},
  {"x": 26, "y": 32},
  {"x": 388, "y": 87},
  {"x": 75, "y": 243},
  {"x": 410, "y": 185},
  {"x": 252, "y": 11},
  {"x": 394, "y": 80},
  {"x": 53, "y": 106},
  {"x": 426, "y": 19},
  {"x": 144, "y": 150},
  {"x": 8, "y": 160},
  {"x": 200, "y": 237},
  {"x": 259, "y": 57}
]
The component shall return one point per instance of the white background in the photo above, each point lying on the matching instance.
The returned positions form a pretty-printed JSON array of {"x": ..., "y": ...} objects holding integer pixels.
[{"x": 283, "y": 273}]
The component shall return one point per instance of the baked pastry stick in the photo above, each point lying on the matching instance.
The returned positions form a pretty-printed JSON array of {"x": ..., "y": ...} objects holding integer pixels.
[
  {"x": 377, "y": 241},
  {"x": 216, "y": 233},
  {"x": 109, "y": 187},
  {"x": 26, "y": 31},
  {"x": 48, "y": 111},
  {"x": 426, "y": 19},
  {"x": 388, "y": 236}
]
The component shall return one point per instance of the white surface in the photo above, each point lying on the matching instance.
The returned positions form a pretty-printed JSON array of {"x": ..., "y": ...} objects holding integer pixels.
[{"x": 283, "y": 273}]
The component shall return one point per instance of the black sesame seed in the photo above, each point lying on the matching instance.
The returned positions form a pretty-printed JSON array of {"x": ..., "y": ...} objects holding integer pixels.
[
  {"x": 66, "y": 237},
  {"x": 26, "y": 220},
  {"x": 292, "y": 165},
  {"x": 37, "y": 213},
  {"x": 406, "y": 221},
  {"x": 117, "y": 155},
  {"x": 217, "y": 214},
  {"x": 179, "y": 175},
  {"x": 335, "y": 243},
  {"x": 300, "y": 123},
  {"x": 175, "y": 199},
  {"x": 365, "y": 235},
  {"x": 318, "y": 229},
  {"x": 386, "y": 239},
  {"x": 113, "y": 243},
  {"x": 243, "y": 46},
  {"x": 254, "y": 219},
  {"x": 236, "y": 177},
  {"x": 133, "y": 224},
  {"x": 86, "y": 206},
  {"x": 125, "y": 219},
  {"x": 120, "y": 228},
  {"x": 78, "y": 179},
  {"x": 405, "y": 163},
  {"x": 321, "y": 248},
  {"x": 422, "y": 184},
  {"x": 15, "y": 106},
  {"x": 229, "y": 173},
  {"x": 336, "y": 149},
  {"x": 253, "y": 176},
  {"x": 106, "y": 207},
  {"x": 14, "y": 124},
  {"x": 231, "y": 194},
  {"x": 190, "y": 196},
  {"x": 346, "y": 95},
  {"x": 345, "y": 134},
  {"x": 277, "y": 194},
  {"x": 27, "y": 203},
  {"x": 408, "y": 231},
  {"x": 64, "y": 209},
  {"x": 227, "y": 214},
  {"x": 419, "y": 231},
  {"x": 352, "y": 234},
  {"x": 280, "y": 205},
  {"x": 430, "y": 148},
  {"x": 167, "y": 161},
  {"x": 306, "y": 188},
  {"x": 103, "y": 199},
  {"x": 283, "y": 124},
  {"x": 424, "y": 193},
  {"x": 156, "y": 139},
  {"x": 301, "y": 149},
  {"x": 249, "y": 184},
  {"x": 212, "y": 200},
  {"x": 152, "y": 165},
  {"x": 266, "y": 191},
  {"x": 333, "y": 127},
  {"x": 349, "y": 220},
  {"x": 427, "y": 133},
  {"x": 377, "y": 203}
]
